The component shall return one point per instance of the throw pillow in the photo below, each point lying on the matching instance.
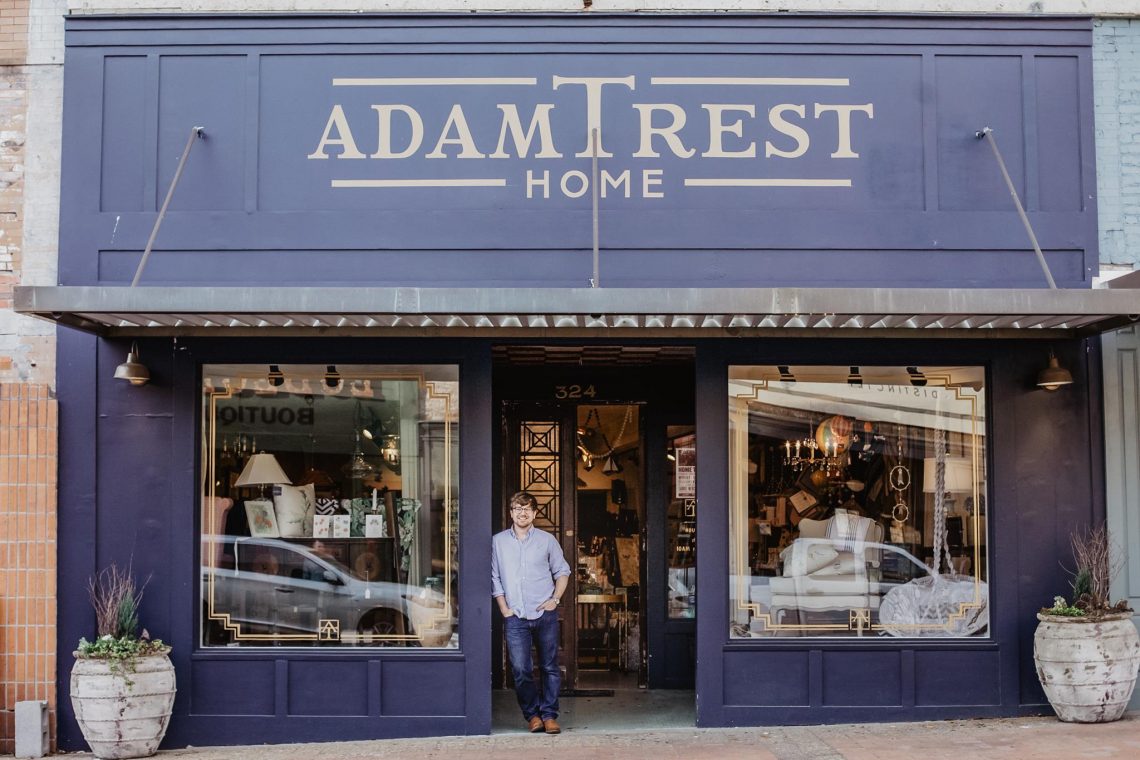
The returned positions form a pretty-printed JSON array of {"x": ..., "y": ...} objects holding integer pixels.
[
  {"x": 294, "y": 506},
  {"x": 805, "y": 557}
]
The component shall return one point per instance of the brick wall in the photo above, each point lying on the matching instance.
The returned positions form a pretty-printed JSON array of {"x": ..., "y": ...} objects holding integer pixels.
[
  {"x": 1116, "y": 92},
  {"x": 27, "y": 410},
  {"x": 28, "y": 425}
]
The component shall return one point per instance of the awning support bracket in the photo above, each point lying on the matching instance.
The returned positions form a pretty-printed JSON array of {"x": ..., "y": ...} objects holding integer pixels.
[
  {"x": 987, "y": 134},
  {"x": 195, "y": 134}
]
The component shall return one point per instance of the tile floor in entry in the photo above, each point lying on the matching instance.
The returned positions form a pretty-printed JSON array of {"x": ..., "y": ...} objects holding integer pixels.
[{"x": 628, "y": 708}]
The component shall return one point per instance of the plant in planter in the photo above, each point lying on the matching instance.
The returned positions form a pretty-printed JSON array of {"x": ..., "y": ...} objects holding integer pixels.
[
  {"x": 122, "y": 683},
  {"x": 1087, "y": 653}
]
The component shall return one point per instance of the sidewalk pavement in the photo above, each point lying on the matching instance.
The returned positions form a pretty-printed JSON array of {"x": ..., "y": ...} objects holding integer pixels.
[{"x": 994, "y": 739}]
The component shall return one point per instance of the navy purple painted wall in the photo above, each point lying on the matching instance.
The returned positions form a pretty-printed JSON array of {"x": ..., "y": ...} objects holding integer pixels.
[
  {"x": 925, "y": 206},
  {"x": 130, "y": 461},
  {"x": 881, "y": 110},
  {"x": 1045, "y": 478}
]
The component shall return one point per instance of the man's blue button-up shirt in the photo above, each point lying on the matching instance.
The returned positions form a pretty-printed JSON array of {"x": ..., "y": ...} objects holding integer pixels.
[{"x": 524, "y": 569}]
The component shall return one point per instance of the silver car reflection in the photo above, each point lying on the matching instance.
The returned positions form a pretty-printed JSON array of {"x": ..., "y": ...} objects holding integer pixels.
[{"x": 268, "y": 591}]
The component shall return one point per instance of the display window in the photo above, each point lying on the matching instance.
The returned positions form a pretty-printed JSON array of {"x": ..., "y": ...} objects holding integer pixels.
[
  {"x": 330, "y": 505},
  {"x": 857, "y": 502}
]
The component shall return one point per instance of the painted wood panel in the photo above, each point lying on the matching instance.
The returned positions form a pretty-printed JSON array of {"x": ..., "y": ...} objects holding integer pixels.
[{"x": 444, "y": 151}]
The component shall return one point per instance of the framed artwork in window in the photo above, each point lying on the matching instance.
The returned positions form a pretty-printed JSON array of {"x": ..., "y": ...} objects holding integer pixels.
[{"x": 262, "y": 518}]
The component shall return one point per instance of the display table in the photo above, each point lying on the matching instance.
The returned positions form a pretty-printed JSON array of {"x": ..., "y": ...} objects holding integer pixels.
[{"x": 594, "y": 612}]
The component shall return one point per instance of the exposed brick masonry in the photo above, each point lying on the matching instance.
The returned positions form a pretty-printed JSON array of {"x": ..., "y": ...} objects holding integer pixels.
[{"x": 28, "y": 428}]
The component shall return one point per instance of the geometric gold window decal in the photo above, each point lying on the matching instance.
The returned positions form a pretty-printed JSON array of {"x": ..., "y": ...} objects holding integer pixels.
[{"x": 329, "y": 630}]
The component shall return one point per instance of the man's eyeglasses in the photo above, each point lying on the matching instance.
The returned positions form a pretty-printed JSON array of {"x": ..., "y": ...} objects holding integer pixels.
[{"x": 522, "y": 509}]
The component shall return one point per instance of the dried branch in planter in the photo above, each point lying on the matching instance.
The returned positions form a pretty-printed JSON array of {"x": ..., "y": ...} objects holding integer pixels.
[
  {"x": 1097, "y": 564},
  {"x": 116, "y": 601}
]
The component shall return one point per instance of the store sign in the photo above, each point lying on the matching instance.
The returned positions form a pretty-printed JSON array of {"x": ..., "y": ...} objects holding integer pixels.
[{"x": 479, "y": 134}]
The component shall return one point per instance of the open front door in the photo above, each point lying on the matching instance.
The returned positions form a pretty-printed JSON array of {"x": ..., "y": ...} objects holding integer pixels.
[{"x": 538, "y": 458}]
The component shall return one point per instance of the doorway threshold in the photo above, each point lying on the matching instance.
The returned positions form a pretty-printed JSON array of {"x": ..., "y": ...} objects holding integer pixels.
[{"x": 628, "y": 708}]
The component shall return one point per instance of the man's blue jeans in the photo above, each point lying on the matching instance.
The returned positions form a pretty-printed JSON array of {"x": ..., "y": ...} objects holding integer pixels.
[{"x": 543, "y": 634}]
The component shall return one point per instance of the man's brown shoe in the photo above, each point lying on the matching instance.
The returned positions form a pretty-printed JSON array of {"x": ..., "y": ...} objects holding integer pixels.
[
  {"x": 534, "y": 725},
  {"x": 550, "y": 725}
]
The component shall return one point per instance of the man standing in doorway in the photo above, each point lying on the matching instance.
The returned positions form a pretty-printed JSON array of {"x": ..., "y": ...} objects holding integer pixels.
[{"x": 529, "y": 574}]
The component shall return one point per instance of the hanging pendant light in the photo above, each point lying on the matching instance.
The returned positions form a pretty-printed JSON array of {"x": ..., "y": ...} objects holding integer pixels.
[
  {"x": 611, "y": 466},
  {"x": 132, "y": 370},
  {"x": 1051, "y": 378}
]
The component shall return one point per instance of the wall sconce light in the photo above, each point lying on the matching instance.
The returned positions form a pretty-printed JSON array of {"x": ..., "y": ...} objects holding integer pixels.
[
  {"x": 854, "y": 378},
  {"x": 786, "y": 373},
  {"x": 132, "y": 370},
  {"x": 1054, "y": 376},
  {"x": 917, "y": 379},
  {"x": 332, "y": 377},
  {"x": 276, "y": 377}
]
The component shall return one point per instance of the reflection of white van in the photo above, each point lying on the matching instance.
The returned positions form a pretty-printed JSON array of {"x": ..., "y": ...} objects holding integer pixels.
[{"x": 286, "y": 589}]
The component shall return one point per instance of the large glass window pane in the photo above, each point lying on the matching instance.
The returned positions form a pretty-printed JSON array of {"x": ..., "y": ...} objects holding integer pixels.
[
  {"x": 857, "y": 502},
  {"x": 330, "y": 505},
  {"x": 681, "y": 521}
]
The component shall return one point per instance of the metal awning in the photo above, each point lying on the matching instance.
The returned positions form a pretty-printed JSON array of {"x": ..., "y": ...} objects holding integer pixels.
[{"x": 573, "y": 312}]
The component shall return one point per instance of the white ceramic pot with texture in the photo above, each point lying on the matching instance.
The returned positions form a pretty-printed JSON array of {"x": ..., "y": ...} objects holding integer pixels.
[
  {"x": 1087, "y": 667},
  {"x": 123, "y": 712}
]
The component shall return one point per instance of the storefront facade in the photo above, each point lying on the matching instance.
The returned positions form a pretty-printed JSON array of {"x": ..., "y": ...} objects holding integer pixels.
[{"x": 811, "y": 355}]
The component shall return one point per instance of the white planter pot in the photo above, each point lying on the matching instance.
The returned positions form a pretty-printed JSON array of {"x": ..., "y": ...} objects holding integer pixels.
[
  {"x": 123, "y": 715},
  {"x": 1088, "y": 669}
]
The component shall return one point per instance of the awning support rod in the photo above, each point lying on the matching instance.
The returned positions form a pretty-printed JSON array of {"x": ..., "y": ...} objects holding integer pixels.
[
  {"x": 195, "y": 133},
  {"x": 988, "y": 134},
  {"x": 595, "y": 281}
]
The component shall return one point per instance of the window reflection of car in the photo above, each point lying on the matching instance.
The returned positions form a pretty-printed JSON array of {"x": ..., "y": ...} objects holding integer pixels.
[
  {"x": 285, "y": 589},
  {"x": 898, "y": 591},
  {"x": 839, "y": 574}
]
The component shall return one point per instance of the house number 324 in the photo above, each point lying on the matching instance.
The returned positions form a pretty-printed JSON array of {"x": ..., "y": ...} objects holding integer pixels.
[{"x": 574, "y": 391}]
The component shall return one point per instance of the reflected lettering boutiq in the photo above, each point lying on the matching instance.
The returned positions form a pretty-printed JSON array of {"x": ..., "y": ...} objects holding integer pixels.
[{"x": 781, "y": 493}]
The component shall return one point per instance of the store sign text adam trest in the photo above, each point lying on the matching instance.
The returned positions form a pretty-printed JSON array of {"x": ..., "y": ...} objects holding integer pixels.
[{"x": 744, "y": 130}]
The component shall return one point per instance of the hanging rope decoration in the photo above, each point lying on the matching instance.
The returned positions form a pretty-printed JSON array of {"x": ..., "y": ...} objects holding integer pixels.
[
  {"x": 899, "y": 480},
  {"x": 941, "y": 544}
]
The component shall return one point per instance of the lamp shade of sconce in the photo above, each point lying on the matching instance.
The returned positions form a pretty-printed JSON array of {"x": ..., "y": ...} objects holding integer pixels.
[
  {"x": 854, "y": 376},
  {"x": 132, "y": 370},
  {"x": 917, "y": 378},
  {"x": 959, "y": 475},
  {"x": 262, "y": 470},
  {"x": 275, "y": 377},
  {"x": 332, "y": 377},
  {"x": 1054, "y": 376}
]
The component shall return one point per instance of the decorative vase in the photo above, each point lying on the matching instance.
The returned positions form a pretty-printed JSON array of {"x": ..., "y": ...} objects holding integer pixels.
[
  {"x": 1087, "y": 667},
  {"x": 123, "y": 711}
]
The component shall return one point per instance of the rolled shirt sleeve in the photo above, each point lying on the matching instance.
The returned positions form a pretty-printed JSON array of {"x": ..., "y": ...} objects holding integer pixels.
[{"x": 559, "y": 567}]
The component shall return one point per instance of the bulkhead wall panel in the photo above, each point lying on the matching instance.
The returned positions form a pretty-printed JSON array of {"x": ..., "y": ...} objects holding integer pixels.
[{"x": 732, "y": 150}]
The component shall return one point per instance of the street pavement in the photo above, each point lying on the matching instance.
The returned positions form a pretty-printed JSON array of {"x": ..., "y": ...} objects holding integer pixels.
[{"x": 998, "y": 739}]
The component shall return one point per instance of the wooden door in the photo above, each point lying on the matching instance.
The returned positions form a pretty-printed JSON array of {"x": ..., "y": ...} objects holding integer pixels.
[{"x": 538, "y": 457}]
